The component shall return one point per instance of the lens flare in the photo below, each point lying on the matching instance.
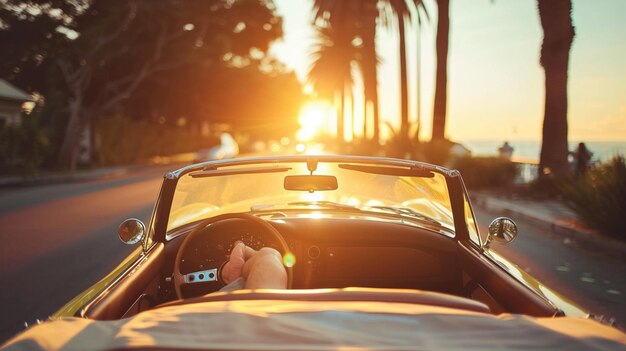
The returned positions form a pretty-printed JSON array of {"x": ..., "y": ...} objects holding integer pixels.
[{"x": 289, "y": 260}]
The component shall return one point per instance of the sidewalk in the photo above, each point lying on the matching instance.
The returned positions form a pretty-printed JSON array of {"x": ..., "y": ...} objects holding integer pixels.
[
  {"x": 92, "y": 174},
  {"x": 551, "y": 214}
]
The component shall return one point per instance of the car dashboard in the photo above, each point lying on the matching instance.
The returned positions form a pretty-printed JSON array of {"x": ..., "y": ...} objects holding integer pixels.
[{"x": 331, "y": 252}]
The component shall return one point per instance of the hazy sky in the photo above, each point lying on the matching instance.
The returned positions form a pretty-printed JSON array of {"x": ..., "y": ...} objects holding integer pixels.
[{"x": 495, "y": 83}]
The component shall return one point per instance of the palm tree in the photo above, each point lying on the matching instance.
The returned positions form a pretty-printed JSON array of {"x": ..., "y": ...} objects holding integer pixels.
[
  {"x": 441, "y": 79},
  {"x": 401, "y": 11},
  {"x": 337, "y": 51},
  {"x": 558, "y": 34},
  {"x": 331, "y": 72},
  {"x": 421, "y": 15},
  {"x": 357, "y": 18},
  {"x": 368, "y": 60}
]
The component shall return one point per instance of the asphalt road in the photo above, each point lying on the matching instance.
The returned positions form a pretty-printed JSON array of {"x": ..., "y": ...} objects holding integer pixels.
[
  {"x": 57, "y": 240},
  {"x": 588, "y": 275}
]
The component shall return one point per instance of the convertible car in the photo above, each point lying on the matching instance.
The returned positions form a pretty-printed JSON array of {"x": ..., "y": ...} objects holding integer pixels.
[{"x": 380, "y": 254}]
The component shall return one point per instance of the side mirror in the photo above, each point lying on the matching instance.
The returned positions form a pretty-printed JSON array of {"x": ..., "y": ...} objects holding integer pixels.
[
  {"x": 131, "y": 231},
  {"x": 501, "y": 230}
]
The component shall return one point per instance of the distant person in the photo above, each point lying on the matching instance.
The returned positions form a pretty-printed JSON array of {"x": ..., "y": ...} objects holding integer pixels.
[
  {"x": 505, "y": 151},
  {"x": 582, "y": 159}
]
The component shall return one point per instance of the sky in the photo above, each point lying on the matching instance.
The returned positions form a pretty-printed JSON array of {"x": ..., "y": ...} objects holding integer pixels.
[{"x": 495, "y": 82}]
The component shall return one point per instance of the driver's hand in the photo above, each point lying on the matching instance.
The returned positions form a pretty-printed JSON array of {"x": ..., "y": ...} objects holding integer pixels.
[
  {"x": 262, "y": 269},
  {"x": 233, "y": 269}
]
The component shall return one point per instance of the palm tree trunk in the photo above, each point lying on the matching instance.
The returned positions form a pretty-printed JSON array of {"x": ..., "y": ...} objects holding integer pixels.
[
  {"x": 558, "y": 32},
  {"x": 352, "y": 114},
  {"x": 340, "y": 115},
  {"x": 404, "y": 95},
  {"x": 369, "y": 65},
  {"x": 418, "y": 78},
  {"x": 441, "y": 80},
  {"x": 365, "y": 108}
]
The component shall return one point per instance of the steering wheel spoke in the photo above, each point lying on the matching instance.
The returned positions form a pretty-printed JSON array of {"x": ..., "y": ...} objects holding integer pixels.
[{"x": 209, "y": 275}]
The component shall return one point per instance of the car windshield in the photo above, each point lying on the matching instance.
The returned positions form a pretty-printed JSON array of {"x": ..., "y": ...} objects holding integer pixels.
[{"x": 368, "y": 190}]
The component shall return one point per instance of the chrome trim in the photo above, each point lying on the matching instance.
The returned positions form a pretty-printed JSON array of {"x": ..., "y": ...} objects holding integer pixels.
[
  {"x": 300, "y": 158},
  {"x": 209, "y": 275},
  {"x": 451, "y": 172}
]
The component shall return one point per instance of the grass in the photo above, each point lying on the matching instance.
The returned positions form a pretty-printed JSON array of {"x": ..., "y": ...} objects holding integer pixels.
[
  {"x": 486, "y": 172},
  {"x": 599, "y": 197}
]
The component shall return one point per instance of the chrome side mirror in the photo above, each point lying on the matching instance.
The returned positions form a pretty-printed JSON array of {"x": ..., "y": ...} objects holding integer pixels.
[
  {"x": 131, "y": 231},
  {"x": 501, "y": 230}
]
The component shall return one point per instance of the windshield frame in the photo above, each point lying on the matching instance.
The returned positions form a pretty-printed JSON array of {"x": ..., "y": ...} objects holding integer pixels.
[{"x": 452, "y": 178}]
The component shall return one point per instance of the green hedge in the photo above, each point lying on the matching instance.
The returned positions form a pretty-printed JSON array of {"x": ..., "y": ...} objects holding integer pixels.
[
  {"x": 126, "y": 141},
  {"x": 22, "y": 148},
  {"x": 486, "y": 172},
  {"x": 599, "y": 198}
]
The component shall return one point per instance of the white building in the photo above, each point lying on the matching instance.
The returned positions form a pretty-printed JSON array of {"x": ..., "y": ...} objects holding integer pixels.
[{"x": 11, "y": 101}]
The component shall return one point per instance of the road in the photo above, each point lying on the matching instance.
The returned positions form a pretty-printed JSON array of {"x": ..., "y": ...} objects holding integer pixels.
[
  {"x": 588, "y": 275},
  {"x": 57, "y": 240}
]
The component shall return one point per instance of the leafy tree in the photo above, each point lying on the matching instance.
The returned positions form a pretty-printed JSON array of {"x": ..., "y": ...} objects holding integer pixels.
[
  {"x": 98, "y": 54},
  {"x": 558, "y": 34},
  {"x": 23, "y": 147}
]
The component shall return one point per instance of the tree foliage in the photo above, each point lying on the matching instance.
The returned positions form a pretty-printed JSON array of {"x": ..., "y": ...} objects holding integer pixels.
[
  {"x": 168, "y": 58},
  {"x": 347, "y": 31}
]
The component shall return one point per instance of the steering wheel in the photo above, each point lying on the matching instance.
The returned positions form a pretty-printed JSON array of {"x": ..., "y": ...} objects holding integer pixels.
[{"x": 212, "y": 274}]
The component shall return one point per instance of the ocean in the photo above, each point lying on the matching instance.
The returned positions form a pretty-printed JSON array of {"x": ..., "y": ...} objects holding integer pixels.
[{"x": 602, "y": 150}]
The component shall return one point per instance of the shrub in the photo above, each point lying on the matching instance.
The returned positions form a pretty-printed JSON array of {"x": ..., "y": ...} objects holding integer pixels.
[
  {"x": 125, "y": 141},
  {"x": 438, "y": 152},
  {"x": 22, "y": 148},
  {"x": 484, "y": 172},
  {"x": 599, "y": 198}
]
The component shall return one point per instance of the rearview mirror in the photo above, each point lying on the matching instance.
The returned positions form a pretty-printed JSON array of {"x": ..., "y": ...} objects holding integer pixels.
[{"x": 310, "y": 183}]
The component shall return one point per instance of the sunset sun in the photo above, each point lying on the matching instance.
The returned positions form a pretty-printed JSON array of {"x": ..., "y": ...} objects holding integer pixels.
[{"x": 314, "y": 119}]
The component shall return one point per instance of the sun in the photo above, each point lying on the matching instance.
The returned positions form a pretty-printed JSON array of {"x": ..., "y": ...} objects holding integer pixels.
[{"x": 314, "y": 119}]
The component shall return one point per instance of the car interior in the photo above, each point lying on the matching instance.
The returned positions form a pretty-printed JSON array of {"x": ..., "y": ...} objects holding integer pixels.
[{"x": 382, "y": 258}]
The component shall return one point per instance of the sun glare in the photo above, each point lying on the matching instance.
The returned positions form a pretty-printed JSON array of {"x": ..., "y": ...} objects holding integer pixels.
[{"x": 313, "y": 120}]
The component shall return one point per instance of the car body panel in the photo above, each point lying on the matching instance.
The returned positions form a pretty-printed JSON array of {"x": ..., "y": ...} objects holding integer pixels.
[
  {"x": 508, "y": 288},
  {"x": 73, "y": 307},
  {"x": 568, "y": 307}
]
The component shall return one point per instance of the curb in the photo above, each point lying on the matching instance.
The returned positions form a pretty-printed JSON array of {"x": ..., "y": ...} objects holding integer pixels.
[{"x": 566, "y": 227}]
